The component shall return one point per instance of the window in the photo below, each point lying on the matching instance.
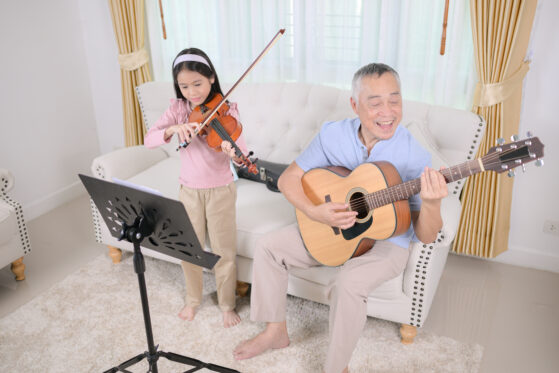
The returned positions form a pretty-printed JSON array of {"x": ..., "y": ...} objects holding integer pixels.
[{"x": 325, "y": 42}]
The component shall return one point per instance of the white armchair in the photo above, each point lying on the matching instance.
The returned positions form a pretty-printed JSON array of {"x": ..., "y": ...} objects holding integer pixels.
[{"x": 14, "y": 240}]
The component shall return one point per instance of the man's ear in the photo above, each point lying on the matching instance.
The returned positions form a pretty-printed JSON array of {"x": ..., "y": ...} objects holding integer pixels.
[{"x": 353, "y": 104}]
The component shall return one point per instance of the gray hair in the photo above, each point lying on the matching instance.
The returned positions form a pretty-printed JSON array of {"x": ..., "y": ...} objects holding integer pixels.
[{"x": 368, "y": 70}]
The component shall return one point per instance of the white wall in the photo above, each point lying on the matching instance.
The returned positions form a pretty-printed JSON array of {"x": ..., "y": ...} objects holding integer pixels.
[
  {"x": 534, "y": 199},
  {"x": 103, "y": 72},
  {"x": 48, "y": 133}
]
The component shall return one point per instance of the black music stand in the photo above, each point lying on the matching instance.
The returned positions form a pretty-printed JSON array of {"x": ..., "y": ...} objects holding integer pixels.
[{"x": 134, "y": 214}]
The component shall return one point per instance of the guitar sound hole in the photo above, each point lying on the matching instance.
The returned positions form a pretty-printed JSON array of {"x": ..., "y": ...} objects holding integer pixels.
[{"x": 358, "y": 203}]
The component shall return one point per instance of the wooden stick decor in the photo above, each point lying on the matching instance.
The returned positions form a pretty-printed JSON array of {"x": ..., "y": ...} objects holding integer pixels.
[
  {"x": 445, "y": 20},
  {"x": 162, "y": 21}
]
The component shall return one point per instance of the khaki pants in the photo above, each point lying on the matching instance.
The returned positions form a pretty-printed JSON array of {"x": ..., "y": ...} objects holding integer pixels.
[
  {"x": 214, "y": 209},
  {"x": 279, "y": 251}
]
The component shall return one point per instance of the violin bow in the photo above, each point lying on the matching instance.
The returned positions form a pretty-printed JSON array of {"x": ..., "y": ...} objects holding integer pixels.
[{"x": 211, "y": 113}]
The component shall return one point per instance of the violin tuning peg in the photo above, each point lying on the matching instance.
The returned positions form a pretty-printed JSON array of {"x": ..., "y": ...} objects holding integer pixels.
[
  {"x": 511, "y": 173},
  {"x": 514, "y": 137},
  {"x": 529, "y": 134},
  {"x": 539, "y": 162},
  {"x": 500, "y": 141}
]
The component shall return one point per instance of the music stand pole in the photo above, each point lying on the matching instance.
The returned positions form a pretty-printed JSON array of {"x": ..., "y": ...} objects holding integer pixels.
[{"x": 133, "y": 215}]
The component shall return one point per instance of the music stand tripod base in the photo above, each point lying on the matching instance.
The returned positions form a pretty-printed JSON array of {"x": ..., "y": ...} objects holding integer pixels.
[{"x": 134, "y": 215}]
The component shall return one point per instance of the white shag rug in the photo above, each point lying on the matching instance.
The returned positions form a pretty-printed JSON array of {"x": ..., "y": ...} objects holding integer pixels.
[{"x": 92, "y": 321}]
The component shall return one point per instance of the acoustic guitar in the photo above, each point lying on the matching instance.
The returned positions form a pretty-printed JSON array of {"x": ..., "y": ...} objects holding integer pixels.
[{"x": 375, "y": 190}]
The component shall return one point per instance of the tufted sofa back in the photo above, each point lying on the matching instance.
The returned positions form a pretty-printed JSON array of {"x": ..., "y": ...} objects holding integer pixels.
[{"x": 280, "y": 119}]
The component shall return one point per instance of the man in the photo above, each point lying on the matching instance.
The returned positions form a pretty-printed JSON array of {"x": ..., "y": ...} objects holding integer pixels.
[{"x": 373, "y": 136}]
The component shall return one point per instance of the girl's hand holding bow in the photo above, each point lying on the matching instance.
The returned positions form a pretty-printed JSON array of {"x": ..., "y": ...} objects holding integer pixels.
[{"x": 185, "y": 131}]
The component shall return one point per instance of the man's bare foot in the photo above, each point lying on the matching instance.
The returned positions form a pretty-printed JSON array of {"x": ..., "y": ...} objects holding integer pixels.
[
  {"x": 273, "y": 337},
  {"x": 230, "y": 318},
  {"x": 188, "y": 313}
]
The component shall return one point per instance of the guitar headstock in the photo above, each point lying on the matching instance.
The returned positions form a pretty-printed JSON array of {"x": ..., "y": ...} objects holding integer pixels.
[{"x": 506, "y": 157}]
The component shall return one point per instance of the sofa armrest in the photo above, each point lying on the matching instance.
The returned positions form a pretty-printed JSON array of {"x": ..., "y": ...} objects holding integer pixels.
[
  {"x": 426, "y": 262},
  {"x": 126, "y": 162},
  {"x": 6, "y": 180}
]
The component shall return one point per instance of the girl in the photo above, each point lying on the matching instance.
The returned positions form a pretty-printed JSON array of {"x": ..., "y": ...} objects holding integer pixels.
[{"x": 207, "y": 189}]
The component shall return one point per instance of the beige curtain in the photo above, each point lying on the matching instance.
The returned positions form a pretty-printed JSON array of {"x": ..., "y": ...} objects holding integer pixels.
[
  {"x": 128, "y": 24},
  {"x": 501, "y": 31}
]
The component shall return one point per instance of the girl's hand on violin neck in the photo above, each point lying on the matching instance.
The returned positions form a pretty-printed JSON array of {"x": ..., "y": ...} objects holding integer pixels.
[
  {"x": 185, "y": 131},
  {"x": 228, "y": 149}
]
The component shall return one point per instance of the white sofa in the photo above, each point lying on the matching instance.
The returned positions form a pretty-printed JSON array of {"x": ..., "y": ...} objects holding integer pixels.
[
  {"x": 279, "y": 121},
  {"x": 14, "y": 240}
]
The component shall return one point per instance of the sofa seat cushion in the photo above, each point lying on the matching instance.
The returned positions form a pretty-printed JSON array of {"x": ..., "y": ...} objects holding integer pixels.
[
  {"x": 8, "y": 223},
  {"x": 325, "y": 276},
  {"x": 259, "y": 211},
  {"x": 163, "y": 177}
]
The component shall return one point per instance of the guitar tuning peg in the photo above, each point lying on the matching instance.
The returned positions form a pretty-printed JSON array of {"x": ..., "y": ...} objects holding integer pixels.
[
  {"x": 500, "y": 141},
  {"x": 523, "y": 168},
  {"x": 529, "y": 134},
  {"x": 539, "y": 162},
  {"x": 511, "y": 173},
  {"x": 514, "y": 137}
]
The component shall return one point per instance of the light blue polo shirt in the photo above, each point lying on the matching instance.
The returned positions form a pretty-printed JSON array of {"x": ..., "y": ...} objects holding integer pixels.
[{"x": 338, "y": 144}]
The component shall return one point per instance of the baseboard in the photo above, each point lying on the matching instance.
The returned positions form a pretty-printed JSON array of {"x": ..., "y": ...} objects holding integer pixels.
[
  {"x": 53, "y": 200},
  {"x": 524, "y": 257}
]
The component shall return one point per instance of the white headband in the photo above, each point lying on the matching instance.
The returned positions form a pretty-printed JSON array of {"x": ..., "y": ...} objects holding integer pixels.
[{"x": 190, "y": 57}]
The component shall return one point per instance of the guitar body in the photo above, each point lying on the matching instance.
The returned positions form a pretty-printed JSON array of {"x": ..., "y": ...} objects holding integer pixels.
[{"x": 332, "y": 246}]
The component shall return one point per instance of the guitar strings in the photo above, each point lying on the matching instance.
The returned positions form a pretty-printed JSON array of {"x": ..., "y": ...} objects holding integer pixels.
[{"x": 392, "y": 192}]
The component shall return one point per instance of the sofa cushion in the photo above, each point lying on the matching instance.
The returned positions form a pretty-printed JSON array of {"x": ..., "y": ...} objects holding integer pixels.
[
  {"x": 259, "y": 211},
  {"x": 163, "y": 177},
  {"x": 421, "y": 133},
  {"x": 325, "y": 276},
  {"x": 8, "y": 223}
]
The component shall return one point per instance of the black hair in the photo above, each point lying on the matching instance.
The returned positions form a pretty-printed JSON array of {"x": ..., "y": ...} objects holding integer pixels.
[{"x": 199, "y": 67}]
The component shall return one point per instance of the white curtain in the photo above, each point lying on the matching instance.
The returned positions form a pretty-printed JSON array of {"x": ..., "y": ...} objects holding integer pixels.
[{"x": 325, "y": 41}]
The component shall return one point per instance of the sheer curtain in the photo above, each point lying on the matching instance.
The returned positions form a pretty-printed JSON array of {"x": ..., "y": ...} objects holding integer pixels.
[{"x": 325, "y": 41}]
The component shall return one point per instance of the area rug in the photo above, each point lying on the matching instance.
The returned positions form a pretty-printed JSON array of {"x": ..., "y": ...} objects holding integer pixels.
[{"x": 92, "y": 321}]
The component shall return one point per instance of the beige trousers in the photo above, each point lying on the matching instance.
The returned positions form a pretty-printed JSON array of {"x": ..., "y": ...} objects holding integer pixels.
[
  {"x": 214, "y": 209},
  {"x": 281, "y": 250}
]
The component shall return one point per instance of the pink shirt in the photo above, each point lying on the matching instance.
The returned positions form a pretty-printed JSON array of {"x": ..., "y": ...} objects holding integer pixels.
[{"x": 201, "y": 166}]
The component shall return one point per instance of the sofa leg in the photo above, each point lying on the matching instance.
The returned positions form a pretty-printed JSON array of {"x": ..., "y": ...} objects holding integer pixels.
[
  {"x": 18, "y": 268},
  {"x": 242, "y": 288},
  {"x": 115, "y": 254},
  {"x": 408, "y": 333}
]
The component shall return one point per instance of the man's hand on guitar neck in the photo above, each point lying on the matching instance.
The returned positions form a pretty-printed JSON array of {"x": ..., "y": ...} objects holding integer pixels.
[{"x": 429, "y": 221}]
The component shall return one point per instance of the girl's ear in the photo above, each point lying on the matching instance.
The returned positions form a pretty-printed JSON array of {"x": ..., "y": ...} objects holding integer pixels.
[{"x": 212, "y": 79}]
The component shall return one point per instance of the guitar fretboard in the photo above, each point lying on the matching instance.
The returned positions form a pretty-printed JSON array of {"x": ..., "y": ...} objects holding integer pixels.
[{"x": 409, "y": 188}]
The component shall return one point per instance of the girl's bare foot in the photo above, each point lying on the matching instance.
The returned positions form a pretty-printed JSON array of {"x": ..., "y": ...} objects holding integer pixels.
[
  {"x": 230, "y": 318},
  {"x": 273, "y": 337},
  {"x": 188, "y": 313}
]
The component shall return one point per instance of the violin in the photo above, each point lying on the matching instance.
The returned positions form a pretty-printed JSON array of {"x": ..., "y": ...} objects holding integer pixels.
[{"x": 223, "y": 127}]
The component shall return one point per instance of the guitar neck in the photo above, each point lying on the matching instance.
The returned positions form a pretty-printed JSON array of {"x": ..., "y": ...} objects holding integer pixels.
[{"x": 409, "y": 188}]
